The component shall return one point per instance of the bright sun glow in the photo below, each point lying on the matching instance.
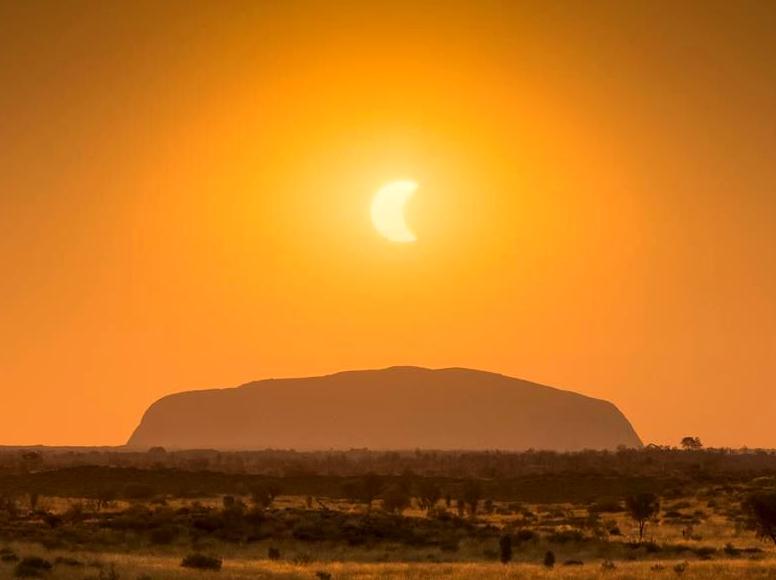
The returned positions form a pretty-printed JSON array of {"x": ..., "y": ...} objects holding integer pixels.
[{"x": 388, "y": 210}]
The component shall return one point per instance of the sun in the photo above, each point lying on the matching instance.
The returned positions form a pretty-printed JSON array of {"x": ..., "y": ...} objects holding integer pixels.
[{"x": 388, "y": 210}]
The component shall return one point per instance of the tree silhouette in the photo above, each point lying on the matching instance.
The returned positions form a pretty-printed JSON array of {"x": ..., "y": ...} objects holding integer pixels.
[
  {"x": 691, "y": 443},
  {"x": 429, "y": 493},
  {"x": 472, "y": 493},
  {"x": 370, "y": 488},
  {"x": 505, "y": 549},
  {"x": 396, "y": 499},
  {"x": 762, "y": 512},
  {"x": 264, "y": 495},
  {"x": 642, "y": 507}
]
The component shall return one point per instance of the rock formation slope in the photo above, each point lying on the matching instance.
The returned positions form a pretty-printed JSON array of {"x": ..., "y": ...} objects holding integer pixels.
[{"x": 394, "y": 408}]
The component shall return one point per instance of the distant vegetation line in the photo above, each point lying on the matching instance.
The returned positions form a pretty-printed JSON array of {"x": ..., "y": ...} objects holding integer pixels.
[{"x": 529, "y": 476}]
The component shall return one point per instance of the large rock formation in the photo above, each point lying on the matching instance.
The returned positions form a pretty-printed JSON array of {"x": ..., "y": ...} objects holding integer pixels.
[{"x": 394, "y": 408}]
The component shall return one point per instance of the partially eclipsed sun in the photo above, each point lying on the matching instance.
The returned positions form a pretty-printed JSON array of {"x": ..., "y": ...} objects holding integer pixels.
[{"x": 388, "y": 211}]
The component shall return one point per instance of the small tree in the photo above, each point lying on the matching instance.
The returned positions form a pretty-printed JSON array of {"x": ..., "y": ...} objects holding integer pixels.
[
  {"x": 472, "y": 493},
  {"x": 264, "y": 495},
  {"x": 691, "y": 443},
  {"x": 642, "y": 507},
  {"x": 505, "y": 549},
  {"x": 489, "y": 506},
  {"x": 762, "y": 513},
  {"x": 104, "y": 497},
  {"x": 396, "y": 499},
  {"x": 370, "y": 488},
  {"x": 429, "y": 494}
]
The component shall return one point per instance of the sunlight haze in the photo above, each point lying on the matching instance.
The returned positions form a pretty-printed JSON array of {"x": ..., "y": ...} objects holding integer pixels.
[{"x": 185, "y": 194}]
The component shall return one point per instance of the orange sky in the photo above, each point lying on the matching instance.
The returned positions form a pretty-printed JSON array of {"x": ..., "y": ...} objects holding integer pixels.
[{"x": 185, "y": 189}]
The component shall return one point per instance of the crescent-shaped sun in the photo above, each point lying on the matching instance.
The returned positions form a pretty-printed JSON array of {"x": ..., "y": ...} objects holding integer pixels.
[{"x": 388, "y": 210}]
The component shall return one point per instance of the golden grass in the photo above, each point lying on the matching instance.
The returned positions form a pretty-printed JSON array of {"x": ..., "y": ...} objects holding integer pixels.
[
  {"x": 132, "y": 567},
  {"x": 388, "y": 561}
]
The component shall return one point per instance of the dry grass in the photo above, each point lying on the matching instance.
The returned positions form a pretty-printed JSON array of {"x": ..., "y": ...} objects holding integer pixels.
[
  {"x": 133, "y": 567},
  {"x": 712, "y": 528}
]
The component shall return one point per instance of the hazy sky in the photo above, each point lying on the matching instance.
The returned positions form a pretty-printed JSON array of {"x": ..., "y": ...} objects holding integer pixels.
[{"x": 185, "y": 190}]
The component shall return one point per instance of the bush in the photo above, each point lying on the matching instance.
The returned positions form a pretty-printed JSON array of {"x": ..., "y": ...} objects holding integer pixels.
[
  {"x": 608, "y": 565},
  {"x": 65, "y": 561},
  {"x": 201, "y": 562},
  {"x": 32, "y": 567},
  {"x": 138, "y": 491},
  {"x": 505, "y": 549},
  {"x": 396, "y": 500},
  {"x": 163, "y": 536},
  {"x": 606, "y": 506},
  {"x": 565, "y": 536},
  {"x": 762, "y": 513}
]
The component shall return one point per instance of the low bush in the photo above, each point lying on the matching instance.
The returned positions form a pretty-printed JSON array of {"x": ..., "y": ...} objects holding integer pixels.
[
  {"x": 201, "y": 562},
  {"x": 65, "y": 561},
  {"x": 565, "y": 536},
  {"x": 32, "y": 567}
]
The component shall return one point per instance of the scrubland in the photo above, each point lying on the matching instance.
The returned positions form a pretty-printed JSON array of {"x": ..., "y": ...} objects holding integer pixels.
[{"x": 140, "y": 515}]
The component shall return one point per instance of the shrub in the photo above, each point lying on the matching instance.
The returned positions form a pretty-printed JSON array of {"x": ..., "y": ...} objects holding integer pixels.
[
  {"x": 138, "y": 491},
  {"x": 32, "y": 567},
  {"x": 731, "y": 550},
  {"x": 762, "y": 513},
  {"x": 472, "y": 493},
  {"x": 163, "y": 536},
  {"x": 429, "y": 493},
  {"x": 565, "y": 536},
  {"x": 65, "y": 561},
  {"x": 505, "y": 549},
  {"x": 681, "y": 568},
  {"x": 607, "y": 565},
  {"x": 108, "y": 573},
  {"x": 606, "y": 506},
  {"x": 264, "y": 495},
  {"x": 302, "y": 558},
  {"x": 396, "y": 500},
  {"x": 201, "y": 562}
]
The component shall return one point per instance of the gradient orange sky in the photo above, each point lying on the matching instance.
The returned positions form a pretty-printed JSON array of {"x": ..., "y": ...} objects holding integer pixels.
[{"x": 185, "y": 189}]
